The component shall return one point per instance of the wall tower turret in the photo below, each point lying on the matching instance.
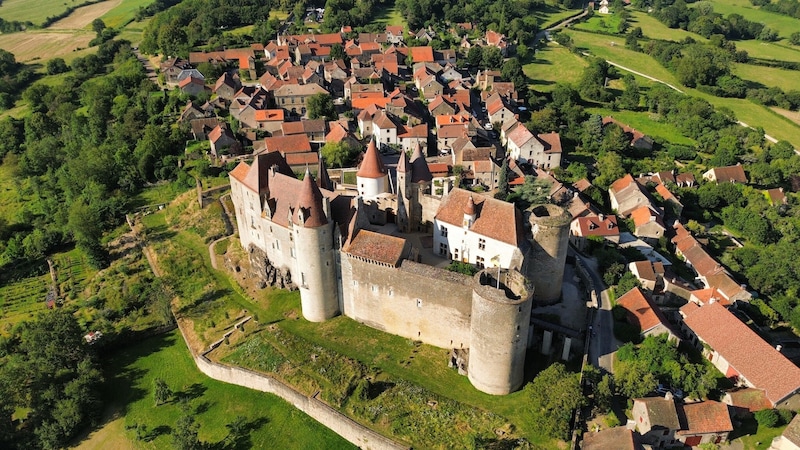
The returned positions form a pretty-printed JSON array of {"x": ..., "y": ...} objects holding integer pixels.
[
  {"x": 314, "y": 270},
  {"x": 372, "y": 176},
  {"x": 549, "y": 243},
  {"x": 501, "y": 311}
]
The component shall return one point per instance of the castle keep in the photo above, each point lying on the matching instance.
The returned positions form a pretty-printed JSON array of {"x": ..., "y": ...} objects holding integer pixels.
[{"x": 378, "y": 256}]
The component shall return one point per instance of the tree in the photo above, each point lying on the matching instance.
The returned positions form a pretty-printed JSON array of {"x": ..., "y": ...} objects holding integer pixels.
[
  {"x": 321, "y": 105},
  {"x": 794, "y": 38},
  {"x": 630, "y": 96},
  {"x": 554, "y": 394},
  {"x": 161, "y": 392},
  {"x": 502, "y": 183},
  {"x": 98, "y": 26},
  {"x": 475, "y": 56},
  {"x": 56, "y": 66},
  {"x": 767, "y": 418},
  {"x": 544, "y": 120},
  {"x": 491, "y": 58},
  {"x": 338, "y": 154},
  {"x": 337, "y": 52},
  {"x": 184, "y": 435}
]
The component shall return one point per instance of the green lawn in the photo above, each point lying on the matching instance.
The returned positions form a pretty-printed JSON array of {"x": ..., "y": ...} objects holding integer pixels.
[
  {"x": 784, "y": 25},
  {"x": 781, "y": 51},
  {"x": 549, "y": 14},
  {"x": 644, "y": 123},
  {"x": 554, "y": 64},
  {"x": 769, "y": 76},
  {"x": 746, "y": 111},
  {"x": 271, "y": 422},
  {"x": 390, "y": 16},
  {"x": 605, "y": 23}
]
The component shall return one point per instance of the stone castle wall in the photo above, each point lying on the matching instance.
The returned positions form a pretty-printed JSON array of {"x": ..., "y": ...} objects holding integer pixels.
[{"x": 414, "y": 300}]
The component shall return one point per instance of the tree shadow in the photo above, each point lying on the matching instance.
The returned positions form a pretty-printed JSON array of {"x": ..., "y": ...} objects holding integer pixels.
[
  {"x": 202, "y": 407},
  {"x": 160, "y": 430},
  {"x": 191, "y": 392},
  {"x": 239, "y": 436}
]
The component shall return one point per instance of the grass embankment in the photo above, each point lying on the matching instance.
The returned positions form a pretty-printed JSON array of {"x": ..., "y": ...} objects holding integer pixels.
[
  {"x": 643, "y": 122},
  {"x": 270, "y": 421},
  {"x": 612, "y": 49},
  {"x": 784, "y": 25},
  {"x": 785, "y": 79}
]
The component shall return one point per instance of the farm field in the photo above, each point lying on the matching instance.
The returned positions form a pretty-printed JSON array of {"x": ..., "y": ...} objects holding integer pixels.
[
  {"x": 123, "y": 13},
  {"x": 554, "y": 64},
  {"x": 83, "y": 16},
  {"x": 35, "y": 11},
  {"x": 30, "y": 46},
  {"x": 270, "y": 421},
  {"x": 601, "y": 23},
  {"x": 746, "y": 111}
]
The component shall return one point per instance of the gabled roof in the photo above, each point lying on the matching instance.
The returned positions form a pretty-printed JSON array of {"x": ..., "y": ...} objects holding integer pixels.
[
  {"x": 733, "y": 174},
  {"x": 255, "y": 177},
  {"x": 706, "y": 417},
  {"x": 323, "y": 179},
  {"x": 753, "y": 358},
  {"x": 421, "y": 54},
  {"x": 661, "y": 411},
  {"x": 617, "y": 438},
  {"x": 792, "y": 432},
  {"x": 644, "y": 215},
  {"x": 269, "y": 115},
  {"x": 597, "y": 226},
  {"x": 520, "y": 135},
  {"x": 296, "y": 143},
  {"x": 552, "y": 142},
  {"x": 641, "y": 310},
  {"x": 496, "y": 219},
  {"x": 378, "y": 247},
  {"x": 372, "y": 166}
]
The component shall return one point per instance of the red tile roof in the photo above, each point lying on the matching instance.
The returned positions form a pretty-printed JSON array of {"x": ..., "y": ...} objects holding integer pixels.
[
  {"x": 289, "y": 128},
  {"x": 641, "y": 310},
  {"x": 733, "y": 174},
  {"x": 377, "y": 247},
  {"x": 757, "y": 361},
  {"x": 495, "y": 217},
  {"x": 364, "y": 103},
  {"x": 421, "y": 54},
  {"x": 706, "y": 417},
  {"x": 552, "y": 141},
  {"x": 269, "y": 115},
  {"x": 747, "y": 398},
  {"x": 300, "y": 159},
  {"x": 617, "y": 438},
  {"x": 622, "y": 183},
  {"x": 296, "y": 143},
  {"x": 643, "y": 215},
  {"x": 596, "y": 226},
  {"x": 372, "y": 166}
]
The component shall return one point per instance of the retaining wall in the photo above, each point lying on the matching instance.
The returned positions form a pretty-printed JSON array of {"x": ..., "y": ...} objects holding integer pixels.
[{"x": 337, "y": 422}]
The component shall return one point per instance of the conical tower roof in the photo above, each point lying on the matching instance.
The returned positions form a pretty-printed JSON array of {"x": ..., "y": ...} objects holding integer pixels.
[
  {"x": 469, "y": 209},
  {"x": 402, "y": 163},
  {"x": 309, "y": 205},
  {"x": 419, "y": 167},
  {"x": 323, "y": 180},
  {"x": 371, "y": 166}
]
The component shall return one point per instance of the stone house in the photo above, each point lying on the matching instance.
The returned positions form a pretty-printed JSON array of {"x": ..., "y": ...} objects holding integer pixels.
[
  {"x": 227, "y": 85},
  {"x": 192, "y": 86},
  {"x": 649, "y": 224},
  {"x": 656, "y": 420},
  {"x": 790, "y": 438},
  {"x": 627, "y": 194},
  {"x": 728, "y": 174},
  {"x": 643, "y": 313},
  {"x": 601, "y": 225},
  {"x": 223, "y": 141},
  {"x": 270, "y": 120},
  {"x": 293, "y": 98}
]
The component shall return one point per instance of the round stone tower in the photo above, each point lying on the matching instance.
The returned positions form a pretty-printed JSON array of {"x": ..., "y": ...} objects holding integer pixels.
[
  {"x": 314, "y": 270},
  {"x": 550, "y": 241},
  {"x": 501, "y": 311}
]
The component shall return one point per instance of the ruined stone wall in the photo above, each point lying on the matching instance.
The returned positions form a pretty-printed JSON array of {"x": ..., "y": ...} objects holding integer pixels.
[{"x": 415, "y": 301}]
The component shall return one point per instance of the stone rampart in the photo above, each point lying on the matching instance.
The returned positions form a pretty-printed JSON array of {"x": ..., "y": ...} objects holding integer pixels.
[{"x": 337, "y": 422}]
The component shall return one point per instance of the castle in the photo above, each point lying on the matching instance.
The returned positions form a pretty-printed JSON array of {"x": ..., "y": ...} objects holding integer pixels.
[{"x": 378, "y": 256}]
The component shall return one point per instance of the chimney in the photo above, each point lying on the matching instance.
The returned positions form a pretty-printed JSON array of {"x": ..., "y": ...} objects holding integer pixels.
[{"x": 778, "y": 347}]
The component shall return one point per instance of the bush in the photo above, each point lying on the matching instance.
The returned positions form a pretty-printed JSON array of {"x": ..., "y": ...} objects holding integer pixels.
[{"x": 768, "y": 418}]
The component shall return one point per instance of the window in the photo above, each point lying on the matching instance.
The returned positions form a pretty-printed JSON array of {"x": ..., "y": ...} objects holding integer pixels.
[
  {"x": 374, "y": 288},
  {"x": 442, "y": 249},
  {"x": 303, "y": 280},
  {"x": 419, "y": 303},
  {"x": 278, "y": 245},
  {"x": 481, "y": 244},
  {"x": 480, "y": 262},
  {"x": 444, "y": 231},
  {"x": 293, "y": 254}
]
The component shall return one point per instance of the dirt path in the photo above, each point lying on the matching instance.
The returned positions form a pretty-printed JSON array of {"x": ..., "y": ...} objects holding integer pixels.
[{"x": 109, "y": 435}]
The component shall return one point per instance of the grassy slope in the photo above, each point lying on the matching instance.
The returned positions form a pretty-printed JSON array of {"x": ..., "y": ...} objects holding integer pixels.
[
  {"x": 784, "y": 25},
  {"x": 746, "y": 111},
  {"x": 554, "y": 64},
  {"x": 769, "y": 76},
  {"x": 642, "y": 122},
  {"x": 654, "y": 29},
  {"x": 124, "y": 13},
  {"x": 275, "y": 423}
]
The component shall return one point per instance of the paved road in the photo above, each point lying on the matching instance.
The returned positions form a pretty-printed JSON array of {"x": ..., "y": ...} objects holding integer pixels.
[{"x": 603, "y": 343}]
